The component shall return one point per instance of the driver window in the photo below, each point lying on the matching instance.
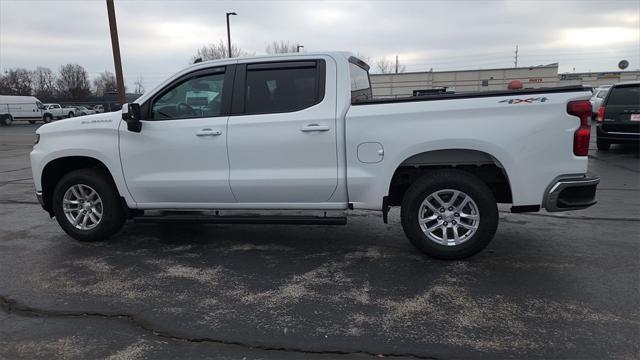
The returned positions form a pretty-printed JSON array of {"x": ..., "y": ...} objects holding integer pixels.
[{"x": 196, "y": 97}]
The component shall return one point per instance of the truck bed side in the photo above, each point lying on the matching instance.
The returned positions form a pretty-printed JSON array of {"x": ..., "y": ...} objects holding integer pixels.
[{"x": 529, "y": 135}]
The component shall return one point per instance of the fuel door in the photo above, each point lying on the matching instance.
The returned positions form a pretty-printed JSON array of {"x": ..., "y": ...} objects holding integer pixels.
[{"x": 370, "y": 152}]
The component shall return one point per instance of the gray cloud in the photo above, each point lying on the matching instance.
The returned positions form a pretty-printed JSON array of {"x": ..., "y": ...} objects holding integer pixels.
[{"x": 159, "y": 37}]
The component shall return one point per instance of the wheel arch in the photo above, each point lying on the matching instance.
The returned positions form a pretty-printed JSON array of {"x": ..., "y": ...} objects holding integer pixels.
[
  {"x": 55, "y": 169},
  {"x": 480, "y": 163}
]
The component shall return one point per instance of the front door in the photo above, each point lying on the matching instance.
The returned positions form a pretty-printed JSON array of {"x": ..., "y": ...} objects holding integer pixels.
[
  {"x": 282, "y": 132},
  {"x": 179, "y": 158}
]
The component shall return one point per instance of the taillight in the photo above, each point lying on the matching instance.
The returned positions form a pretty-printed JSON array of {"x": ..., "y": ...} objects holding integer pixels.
[
  {"x": 581, "y": 109},
  {"x": 601, "y": 114}
]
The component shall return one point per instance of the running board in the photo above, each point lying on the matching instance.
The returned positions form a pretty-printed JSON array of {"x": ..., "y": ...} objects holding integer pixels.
[{"x": 280, "y": 220}]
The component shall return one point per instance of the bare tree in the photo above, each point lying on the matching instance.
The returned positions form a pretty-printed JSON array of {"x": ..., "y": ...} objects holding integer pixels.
[
  {"x": 215, "y": 51},
  {"x": 282, "y": 47},
  {"x": 104, "y": 83},
  {"x": 138, "y": 87},
  {"x": 73, "y": 82},
  {"x": 384, "y": 66},
  {"x": 16, "y": 82},
  {"x": 44, "y": 82}
]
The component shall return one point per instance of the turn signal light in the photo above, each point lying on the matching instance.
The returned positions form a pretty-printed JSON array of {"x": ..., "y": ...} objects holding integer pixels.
[{"x": 581, "y": 109}]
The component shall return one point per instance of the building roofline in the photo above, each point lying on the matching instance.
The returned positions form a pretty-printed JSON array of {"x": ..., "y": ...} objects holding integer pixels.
[{"x": 548, "y": 66}]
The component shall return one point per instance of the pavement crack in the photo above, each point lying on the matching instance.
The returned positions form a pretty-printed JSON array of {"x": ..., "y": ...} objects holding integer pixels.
[
  {"x": 7, "y": 171},
  {"x": 20, "y": 202},
  {"x": 613, "y": 164},
  {"x": 11, "y": 306}
]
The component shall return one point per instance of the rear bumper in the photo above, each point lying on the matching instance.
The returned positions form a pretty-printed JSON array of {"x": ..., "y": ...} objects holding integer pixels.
[
  {"x": 617, "y": 134},
  {"x": 571, "y": 192}
]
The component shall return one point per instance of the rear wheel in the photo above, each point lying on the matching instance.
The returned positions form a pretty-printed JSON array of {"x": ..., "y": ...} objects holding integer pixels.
[
  {"x": 87, "y": 205},
  {"x": 603, "y": 145},
  {"x": 449, "y": 214}
]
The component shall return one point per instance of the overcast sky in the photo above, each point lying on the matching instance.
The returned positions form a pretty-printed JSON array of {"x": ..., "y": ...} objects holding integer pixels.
[{"x": 158, "y": 38}]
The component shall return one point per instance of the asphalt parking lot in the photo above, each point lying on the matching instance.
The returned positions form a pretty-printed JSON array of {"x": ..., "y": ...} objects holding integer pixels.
[{"x": 549, "y": 285}]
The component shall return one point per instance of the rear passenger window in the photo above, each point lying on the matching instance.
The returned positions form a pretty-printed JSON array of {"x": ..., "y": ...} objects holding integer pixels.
[
  {"x": 291, "y": 86},
  {"x": 624, "y": 95}
]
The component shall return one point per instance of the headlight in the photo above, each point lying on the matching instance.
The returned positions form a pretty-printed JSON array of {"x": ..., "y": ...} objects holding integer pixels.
[{"x": 37, "y": 140}]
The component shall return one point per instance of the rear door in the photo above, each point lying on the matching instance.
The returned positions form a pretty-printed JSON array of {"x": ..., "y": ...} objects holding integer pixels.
[{"x": 282, "y": 132}]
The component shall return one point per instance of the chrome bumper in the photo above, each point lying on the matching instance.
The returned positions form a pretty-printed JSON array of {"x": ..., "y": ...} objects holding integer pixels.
[{"x": 571, "y": 193}]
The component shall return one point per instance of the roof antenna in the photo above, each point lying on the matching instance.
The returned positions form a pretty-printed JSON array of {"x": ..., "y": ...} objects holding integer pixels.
[{"x": 198, "y": 60}]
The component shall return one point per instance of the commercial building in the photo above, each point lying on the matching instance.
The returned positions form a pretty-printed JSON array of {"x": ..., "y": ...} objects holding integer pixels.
[{"x": 418, "y": 83}]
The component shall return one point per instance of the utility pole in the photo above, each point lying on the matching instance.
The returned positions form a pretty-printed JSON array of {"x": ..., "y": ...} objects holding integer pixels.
[
  {"x": 396, "y": 64},
  {"x": 298, "y": 47},
  {"x": 229, "y": 31},
  {"x": 516, "y": 57},
  {"x": 115, "y": 45}
]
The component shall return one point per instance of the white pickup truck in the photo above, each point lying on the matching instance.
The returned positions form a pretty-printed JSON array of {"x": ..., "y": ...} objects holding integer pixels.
[
  {"x": 60, "y": 112},
  {"x": 303, "y": 132}
]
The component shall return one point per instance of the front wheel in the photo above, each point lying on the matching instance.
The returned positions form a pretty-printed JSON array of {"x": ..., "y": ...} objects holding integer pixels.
[
  {"x": 47, "y": 118},
  {"x": 6, "y": 120},
  {"x": 87, "y": 206},
  {"x": 70, "y": 114},
  {"x": 32, "y": 121},
  {"x": 449, "y": 214}
]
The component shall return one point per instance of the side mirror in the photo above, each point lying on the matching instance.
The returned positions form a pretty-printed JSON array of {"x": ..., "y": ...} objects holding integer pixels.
[{"x": 131, "y": 114}]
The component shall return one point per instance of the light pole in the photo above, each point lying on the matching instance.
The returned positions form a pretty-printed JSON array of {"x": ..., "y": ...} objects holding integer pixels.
[
  {"x": 298, "y": 47},
  {"x": 229, "y": 31},
  {"x": 115, "y": 46}
]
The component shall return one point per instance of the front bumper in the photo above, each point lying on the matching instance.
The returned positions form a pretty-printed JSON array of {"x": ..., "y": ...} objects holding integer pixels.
[{"x": 571, "y": 192}]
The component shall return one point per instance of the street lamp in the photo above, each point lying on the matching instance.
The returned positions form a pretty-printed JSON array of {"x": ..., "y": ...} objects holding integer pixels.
[
  {"x": 229, "y": 31},
  {"x": 298, "y": 47}
]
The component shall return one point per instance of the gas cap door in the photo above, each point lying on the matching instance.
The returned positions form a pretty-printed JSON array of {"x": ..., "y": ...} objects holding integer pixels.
[{"x": 370, "y": 152}]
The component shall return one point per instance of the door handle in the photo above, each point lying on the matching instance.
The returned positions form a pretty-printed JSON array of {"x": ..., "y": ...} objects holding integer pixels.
[
  {"x": 314, "y": 127},
  {"x": 209, "y": 132}
]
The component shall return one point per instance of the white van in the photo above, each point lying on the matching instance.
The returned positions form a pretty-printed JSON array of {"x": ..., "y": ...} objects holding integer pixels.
[{"x": 28, "y": 108}]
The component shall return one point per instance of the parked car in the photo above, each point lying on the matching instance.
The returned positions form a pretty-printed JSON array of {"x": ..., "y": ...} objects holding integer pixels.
[
  {"x": 619, "y": 116},
  {"x": 82, "y": 110},
  {"x": 14, "y": 108},
  {"x": 301, "y": 131},
  {"x": 596, "y": 100},
  {"x": 60, "y": 112},
  {"x": 98, "y": 108}
]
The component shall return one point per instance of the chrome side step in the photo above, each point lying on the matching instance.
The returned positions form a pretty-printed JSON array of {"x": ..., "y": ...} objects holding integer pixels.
[{"x": 244, "y": 219}]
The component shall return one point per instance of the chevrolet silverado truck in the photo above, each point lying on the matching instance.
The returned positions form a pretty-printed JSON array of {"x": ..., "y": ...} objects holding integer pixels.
[{"x": 302, "y": 132}]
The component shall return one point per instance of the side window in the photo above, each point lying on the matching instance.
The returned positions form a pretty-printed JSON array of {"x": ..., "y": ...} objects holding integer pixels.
[
  {"x": 360, "y": 85},
  {"x": 601, "y": 94},
  {"x": 294, "y": 86},
  {"x": 196, "y": 97}
]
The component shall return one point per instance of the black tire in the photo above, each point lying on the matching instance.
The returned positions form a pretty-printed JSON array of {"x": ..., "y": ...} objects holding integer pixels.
[
  {"x": 603, "y": 145},
  {"x": 70, "y": 114},
  {"x": 32, "y": 121},
  {"x": 459, "y": 180},
  {"x": 47, "y": 118},
  {"x": 113, "y": 212},
  {"x": 6, "y": 120}
]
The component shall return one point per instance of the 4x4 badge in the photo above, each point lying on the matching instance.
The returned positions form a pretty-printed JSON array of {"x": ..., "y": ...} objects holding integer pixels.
[{"x": 526, "y": 101}]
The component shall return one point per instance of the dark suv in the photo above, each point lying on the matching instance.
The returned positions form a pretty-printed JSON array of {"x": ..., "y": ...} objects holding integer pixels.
[{"x": 619, "y": 116}]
